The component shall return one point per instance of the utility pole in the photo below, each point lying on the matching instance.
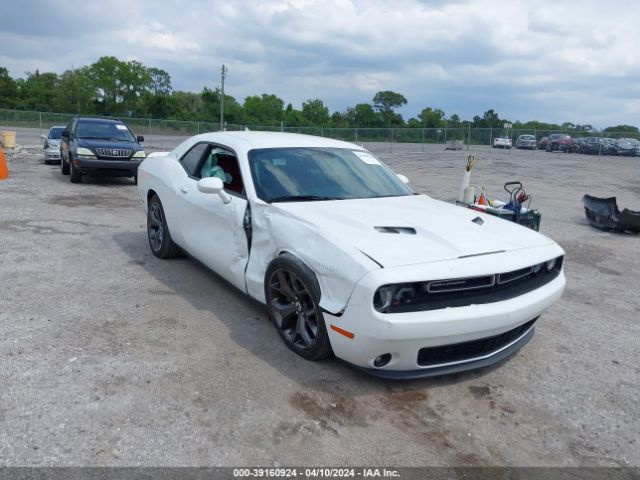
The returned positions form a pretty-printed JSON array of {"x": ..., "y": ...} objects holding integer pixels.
[{"x": 223, "y": 73}]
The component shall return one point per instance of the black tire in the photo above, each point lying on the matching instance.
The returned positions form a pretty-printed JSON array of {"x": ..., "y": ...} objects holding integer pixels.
[
  {"x": 292, "y": 293},
  {"x": 76, "y": 176},
  {"x": 64, "y": 166},
  {"x": 47, "y": 162},
  {"x": 160, "y": 241},
  {"x": 135, "y": 179}
]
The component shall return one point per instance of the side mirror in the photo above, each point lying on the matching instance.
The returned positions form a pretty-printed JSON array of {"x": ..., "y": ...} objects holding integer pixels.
[
  {"x": 65, "y": 133},
  {"x": 139, "y": 138},
  {"x": 214, "y": 185},
  {"x": 43, "y": 137},
  {"x": 402, "y": 178}
]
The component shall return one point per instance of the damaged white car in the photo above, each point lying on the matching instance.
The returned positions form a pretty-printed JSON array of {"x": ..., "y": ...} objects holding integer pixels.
[{"x": 346, "y": 258}]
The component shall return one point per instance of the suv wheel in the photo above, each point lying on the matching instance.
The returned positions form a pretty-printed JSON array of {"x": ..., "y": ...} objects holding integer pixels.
[
  {"x": 64, "y": 166},
  {"x": 76, "y": 176}
]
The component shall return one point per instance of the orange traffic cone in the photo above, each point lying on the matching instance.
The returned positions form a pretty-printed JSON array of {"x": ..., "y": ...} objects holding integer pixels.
[
  {"x": 482, "y": 200},
  {"x": 4, "y": 171}
]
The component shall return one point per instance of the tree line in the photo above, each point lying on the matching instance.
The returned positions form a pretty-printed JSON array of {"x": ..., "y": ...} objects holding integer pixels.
[{"x": 116, "y": 88}]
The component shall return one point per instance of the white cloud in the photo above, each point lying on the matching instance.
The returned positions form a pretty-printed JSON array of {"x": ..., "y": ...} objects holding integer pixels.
[{"x": 528, "y": 59}]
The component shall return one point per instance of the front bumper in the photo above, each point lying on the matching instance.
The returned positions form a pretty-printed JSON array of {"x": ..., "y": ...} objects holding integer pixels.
[
  {"x": 111, "y": 168},
  {"x": 52, "y": 154},
  {"x": 404, "y": 335}
]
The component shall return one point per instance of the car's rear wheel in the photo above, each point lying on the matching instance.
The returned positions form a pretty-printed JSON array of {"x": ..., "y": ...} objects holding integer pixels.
[
  {"x": 160, "y": 241},
  {"x": 292, "y": 293}
]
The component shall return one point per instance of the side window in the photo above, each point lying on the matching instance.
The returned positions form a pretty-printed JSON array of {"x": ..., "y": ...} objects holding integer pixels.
[
  {"x": 191, "y": 160},
  {"x": 223, "y": 164}
]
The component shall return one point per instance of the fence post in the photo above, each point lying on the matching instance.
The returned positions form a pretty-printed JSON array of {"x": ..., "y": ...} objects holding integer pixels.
[
  {"x": 490, "y": 135},
  {"x": 423, "y": 139},
  {"x": 391, "y": 140},
  {"x": 356, "y": 134},
  {"x": 445, "y": 135},
  {"x": 281, "y": 126},
  {"x": 149, "y": 142},
  {"x": 468, "y": 137},
  {"x": 198, "y": 128},
  {"x": 40, "y": 123}
]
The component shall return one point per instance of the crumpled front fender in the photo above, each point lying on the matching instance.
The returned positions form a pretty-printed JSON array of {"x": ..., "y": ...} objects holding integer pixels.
[{"x": 338, "y": 266}]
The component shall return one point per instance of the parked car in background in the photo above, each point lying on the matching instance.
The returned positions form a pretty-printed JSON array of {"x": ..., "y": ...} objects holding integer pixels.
[
  {"x": 590, "y": 146},
  {"x": 609, "y": 146},
  {"x": 542, "y": 143},
  {"x": 502, "y": 142},
  {"x": 100, "y": 147},
  {"x": 345, "y": 257},
  {"x": 526, "y": 141},
  {"x": 52, "y": 144},
  {"x": 624, "y": 147},
  {"x": 559, "y": 142}
]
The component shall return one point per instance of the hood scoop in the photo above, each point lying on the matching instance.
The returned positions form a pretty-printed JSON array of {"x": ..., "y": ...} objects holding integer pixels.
[{"x": 397, "y": 230}]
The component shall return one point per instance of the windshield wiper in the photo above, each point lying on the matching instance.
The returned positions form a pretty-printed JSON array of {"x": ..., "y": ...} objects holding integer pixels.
[{"x": 301, "y": 198}]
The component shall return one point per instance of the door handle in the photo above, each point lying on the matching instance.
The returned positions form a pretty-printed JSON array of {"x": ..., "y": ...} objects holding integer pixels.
[{"x": 184, "y": 189}]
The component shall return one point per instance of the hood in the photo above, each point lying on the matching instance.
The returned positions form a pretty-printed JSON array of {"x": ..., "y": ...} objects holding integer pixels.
[
  {"x": 53, "y": 141},
  {"x": 91, "y": 143},
  {"x": 415, "y": 229}
]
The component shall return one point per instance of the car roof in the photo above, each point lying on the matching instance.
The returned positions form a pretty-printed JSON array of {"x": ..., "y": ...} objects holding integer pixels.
[
  {"x": 100, "y": 120},
  {"x": 243, "y": 141}
]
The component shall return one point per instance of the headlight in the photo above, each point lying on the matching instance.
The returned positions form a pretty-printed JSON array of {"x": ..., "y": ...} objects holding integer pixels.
[
  {"x": 46, "y": 145},
  {"x": 84, "y": 152},
  {"x": 551, "y": 264},
  {"x": 139, "y": 154},
  {"x": 383, "y": 297}
]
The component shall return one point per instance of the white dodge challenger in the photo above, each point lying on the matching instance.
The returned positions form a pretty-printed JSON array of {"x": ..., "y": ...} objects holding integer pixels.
[{"x": 346, "y": 257}]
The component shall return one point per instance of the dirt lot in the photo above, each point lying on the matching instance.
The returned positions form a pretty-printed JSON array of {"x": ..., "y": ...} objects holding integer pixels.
[{"x": 113, "y": 357}]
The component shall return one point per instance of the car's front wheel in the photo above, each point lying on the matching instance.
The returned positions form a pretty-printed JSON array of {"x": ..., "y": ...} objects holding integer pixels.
[
  {"x": 76, "y": 176},
  {"x": 64, "y": 166},
  {"x": 160, "y": 241},
  {"x": 292, "y": 293}
]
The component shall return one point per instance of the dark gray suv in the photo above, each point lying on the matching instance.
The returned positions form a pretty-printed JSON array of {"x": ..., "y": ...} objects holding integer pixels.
[{"x": 99, "y": 147}]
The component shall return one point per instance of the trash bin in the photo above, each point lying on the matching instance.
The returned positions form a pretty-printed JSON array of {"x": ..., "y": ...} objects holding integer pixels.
[{"x": 8, "y": 139}]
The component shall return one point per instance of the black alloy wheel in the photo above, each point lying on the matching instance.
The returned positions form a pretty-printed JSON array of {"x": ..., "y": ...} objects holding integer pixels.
[
  {"x": 160, "y": 242},
  {"x": 292, "y": 295}
]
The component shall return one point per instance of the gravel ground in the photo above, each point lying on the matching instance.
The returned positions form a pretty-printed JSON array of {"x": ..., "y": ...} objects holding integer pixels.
[{"x": 113, "y": 357}]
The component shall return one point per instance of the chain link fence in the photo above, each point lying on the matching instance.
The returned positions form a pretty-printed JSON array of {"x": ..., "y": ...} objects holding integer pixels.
[{"x": 167, "y": 133}]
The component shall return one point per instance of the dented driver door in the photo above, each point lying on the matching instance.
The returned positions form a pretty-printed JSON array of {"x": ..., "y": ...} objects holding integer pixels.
[{"x": 213, "y": 231}]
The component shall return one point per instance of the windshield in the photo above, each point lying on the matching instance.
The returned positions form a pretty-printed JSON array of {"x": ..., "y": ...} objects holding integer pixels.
[
  {"x": 54, "y": 133},
  {"x": 527, "y": 137},
  {"x": 303, "y": 174},
  {"x": 104, "y": 131},
  {"x": 559, "y": 136}
]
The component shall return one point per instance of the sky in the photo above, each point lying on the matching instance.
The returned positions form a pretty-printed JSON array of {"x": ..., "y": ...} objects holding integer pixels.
[{"x": 553, "y": 61}]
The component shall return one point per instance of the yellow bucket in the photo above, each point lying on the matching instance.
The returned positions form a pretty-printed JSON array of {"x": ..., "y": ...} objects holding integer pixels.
[{"x": 8, "y": 139}]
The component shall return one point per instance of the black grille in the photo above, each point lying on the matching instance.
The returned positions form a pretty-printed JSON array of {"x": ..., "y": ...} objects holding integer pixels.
[
  {"x": 113, "y": 152},
  {"x": 468, "y": 351},
  {"x": 423, "y": 296}
]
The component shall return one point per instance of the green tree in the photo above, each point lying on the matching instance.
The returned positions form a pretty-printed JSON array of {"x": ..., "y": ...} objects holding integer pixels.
[
  {"x": 76, "y": 92},
  {"x": 385, "y": 102},
  {"x": 8, "y": 89},
  {"x": 454, "y": 121},
  {"x": 622, "y": 129},
  {"x": 431, "y": 118},
  {"x": 292, "y": 117},
  {"x": 39, "y": 90},
  {"x": 363, "y": 115},
  {"x": 264, "y": 110},
  {"x": 315, "y": 113}
]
